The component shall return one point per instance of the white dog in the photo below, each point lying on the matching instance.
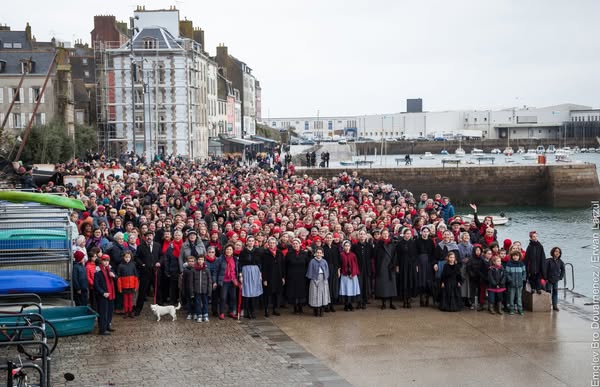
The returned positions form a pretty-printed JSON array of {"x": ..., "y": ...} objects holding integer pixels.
[{"x": 162, "y": 310}]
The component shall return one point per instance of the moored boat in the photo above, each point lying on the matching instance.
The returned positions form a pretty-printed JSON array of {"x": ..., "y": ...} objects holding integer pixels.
[
  {"x": 530, "y": 155},
  {"x": 498, "y": 220},
  {"x": 508, "y": 151},
  {"x": 427, "y": 156}
]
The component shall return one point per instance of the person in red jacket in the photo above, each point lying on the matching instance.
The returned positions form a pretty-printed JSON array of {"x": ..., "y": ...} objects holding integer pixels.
[
  {"x": 349, "y": 286},
  {"x": 91, "y": 267},
  {"x": 127, "y": 283}
]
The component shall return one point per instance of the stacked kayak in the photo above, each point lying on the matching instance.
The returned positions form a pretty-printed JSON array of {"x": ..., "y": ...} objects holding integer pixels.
[
  {"x": 35, "y": 243},
  {"x": 31, "y": 281}
]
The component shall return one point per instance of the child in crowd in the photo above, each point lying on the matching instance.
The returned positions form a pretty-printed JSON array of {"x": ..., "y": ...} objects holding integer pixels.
[
  {"x": 188, "y": 286},
  {"x": 474, "y": 272},
  {"x": 127, "y": 282},
  {"x": 318, "y": 274},
  {"x": 104, "y": 287},
  {"x": 486, "y": 262},
  {"x": 503, "y": 256},
  {"x": 515, "y": 278},
  {"x": 90, "y": 269},
  {"x": 450, "y": 283},
  {"x": 202, "y": 286},
  {"x": 496, "y": 285},
  {"x": 80, "y": 282},
  {"x": 554, "y": 271}
]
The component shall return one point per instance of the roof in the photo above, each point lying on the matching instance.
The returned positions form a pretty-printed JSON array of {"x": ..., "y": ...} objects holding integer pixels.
[
  {"x": 264, "y": 139},
  {"x": 14, "y": 37},
  {"x": 42, "y": 61},
  {"x": 164, "y": 40},
  {"x": 241, "y": 141}
]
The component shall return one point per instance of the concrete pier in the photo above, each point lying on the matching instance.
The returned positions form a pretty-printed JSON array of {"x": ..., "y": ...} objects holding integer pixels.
[{"x": 569, "y": 185}]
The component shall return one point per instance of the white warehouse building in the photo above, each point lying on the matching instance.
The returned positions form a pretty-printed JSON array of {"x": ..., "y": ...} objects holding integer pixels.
[{"x": 525, "y": 122}]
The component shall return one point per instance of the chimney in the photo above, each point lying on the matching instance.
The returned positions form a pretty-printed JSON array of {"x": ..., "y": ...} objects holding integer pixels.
[
  {"x": 186, "y": 29},
  {"x": 199, "y": 37}
]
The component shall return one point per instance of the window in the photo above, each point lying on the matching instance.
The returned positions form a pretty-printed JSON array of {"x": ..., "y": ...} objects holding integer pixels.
[
  {"x": 475, "y": 119},
  {"x": 150, "y": 44},
  {"x": 84, "y": 61},
  {"x": 86, "y": 74},
  {"x": 34, "y": 95},
  {"x": 540, "y": 131},
  {"x": 7, "y": 45},
  {"x": 161, "y": 73},
  {"x": 40, "y": 118},
  {"x": 17, "y": 123},
  {"x": 514, "y": 132},
  {"x": 17, "y": 45},
  {"x": 484, "y": 119},
  {"x": 14, "y": 93},
  {"x": 139, "y": 97},
  {"x": 162, "y": 126},
  {"x": 26, "y": 66}
]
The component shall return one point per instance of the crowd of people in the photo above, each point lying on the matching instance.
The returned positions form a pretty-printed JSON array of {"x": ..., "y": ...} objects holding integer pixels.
[{"x": 237, "y": 238}]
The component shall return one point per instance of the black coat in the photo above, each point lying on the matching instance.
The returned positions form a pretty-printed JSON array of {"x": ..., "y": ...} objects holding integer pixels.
[
  {"x": 496, "y": 277},
  {"x": 116, "y": 254},
  {"x": 534, "y": 258},
  {"x": 170, "y": 263},
  {"x": 406, "y": 252},
  {"x": 146, "y": 260},
  {"x": 450, "y": 297},
  {"x": 332, "y": 256},
  {"x": 385, "y": 270},
  {"x": 296, "y": 264},
  {"x": 365, "y": 255},
  {"x": 554, "y": 270},
  {"x": 272, "y": 271}
]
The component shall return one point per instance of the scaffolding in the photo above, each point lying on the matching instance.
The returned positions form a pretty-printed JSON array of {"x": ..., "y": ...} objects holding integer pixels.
[
  {"x": 106, "y": 115},
  {"x": 162, "y": 110}
]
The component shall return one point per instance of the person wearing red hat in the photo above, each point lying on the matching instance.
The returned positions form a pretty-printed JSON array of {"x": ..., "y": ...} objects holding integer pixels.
[
  {"x": 104, "y": 287},
  {"x": 80, "y": 283}
]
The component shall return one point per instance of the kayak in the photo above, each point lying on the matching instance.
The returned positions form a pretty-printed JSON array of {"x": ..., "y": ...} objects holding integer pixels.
[
  {"x": 30, "y": 281},
  {"x": 54, "y": 200},
  {"x": 33, "y": 239}
]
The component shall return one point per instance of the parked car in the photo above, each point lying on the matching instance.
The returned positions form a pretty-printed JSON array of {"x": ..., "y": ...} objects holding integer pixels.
[
  {"x": 307, "y": 142},
  {"x": 343, "y": 141}
]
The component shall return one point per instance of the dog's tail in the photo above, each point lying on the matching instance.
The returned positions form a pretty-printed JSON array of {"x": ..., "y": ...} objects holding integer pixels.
[{"x": 178, "y": 306}]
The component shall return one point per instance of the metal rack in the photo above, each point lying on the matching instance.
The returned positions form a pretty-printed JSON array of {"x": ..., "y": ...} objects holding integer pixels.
[{"x": 36, "y": 237}]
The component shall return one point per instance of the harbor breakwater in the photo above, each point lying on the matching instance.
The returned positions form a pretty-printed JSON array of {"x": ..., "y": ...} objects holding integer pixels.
[{"x": 561, "y": 186}]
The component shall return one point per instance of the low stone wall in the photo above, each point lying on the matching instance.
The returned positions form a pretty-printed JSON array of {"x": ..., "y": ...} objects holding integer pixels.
[{"x": 571, "y": 185}]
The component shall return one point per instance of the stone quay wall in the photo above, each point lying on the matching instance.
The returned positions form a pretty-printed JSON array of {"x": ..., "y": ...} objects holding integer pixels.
[{"x": 569, "y": 185}]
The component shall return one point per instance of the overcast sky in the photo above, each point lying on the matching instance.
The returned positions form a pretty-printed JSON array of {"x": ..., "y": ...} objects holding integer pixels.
[{"x": 353, "y": 57}]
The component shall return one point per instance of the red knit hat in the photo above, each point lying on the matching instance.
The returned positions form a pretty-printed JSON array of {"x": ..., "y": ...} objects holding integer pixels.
[
  {"x": 105, "y": 257},
  {"x": 78, "y": 255}
]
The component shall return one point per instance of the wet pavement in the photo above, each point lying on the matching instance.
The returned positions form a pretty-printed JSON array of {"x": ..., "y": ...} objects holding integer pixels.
[
  {"x": 143, "y": 352},
  {"x": 426, "y": 347},
  {"x": 417, "y": 347}
]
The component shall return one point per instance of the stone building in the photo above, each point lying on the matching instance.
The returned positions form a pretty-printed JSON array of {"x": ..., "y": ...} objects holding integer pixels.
[
  {"x": 240, "y": 74},
  {"x": 24, "y": 65},
  {"x": 153, "y": 90}
]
